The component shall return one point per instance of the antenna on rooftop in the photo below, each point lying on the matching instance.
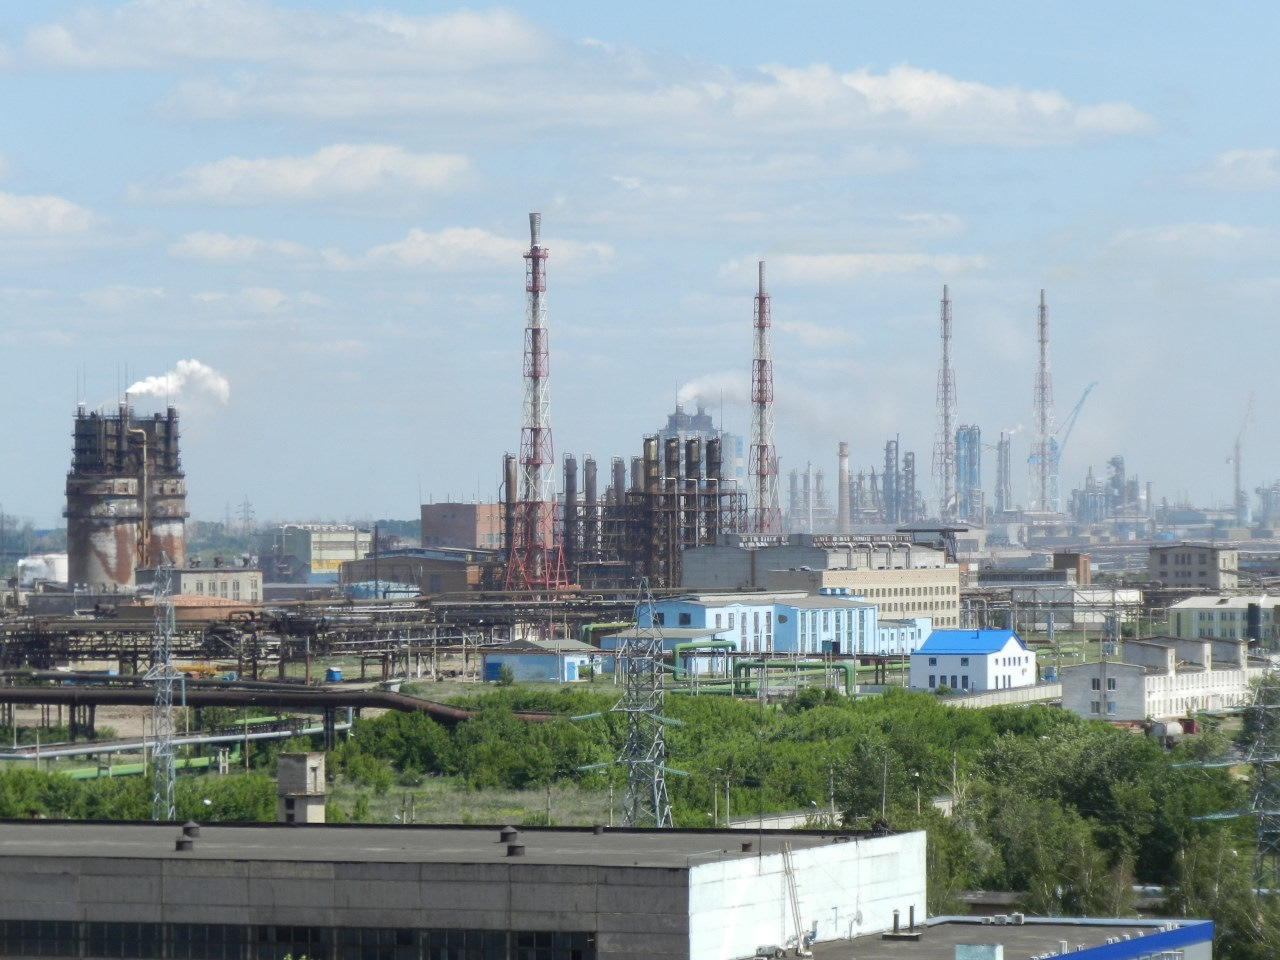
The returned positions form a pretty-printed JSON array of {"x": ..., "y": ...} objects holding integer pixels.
[{"x": 162, "y": 674}]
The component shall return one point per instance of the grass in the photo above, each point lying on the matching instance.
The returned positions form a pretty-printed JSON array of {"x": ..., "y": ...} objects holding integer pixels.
[{"x": 445, "y": 800}]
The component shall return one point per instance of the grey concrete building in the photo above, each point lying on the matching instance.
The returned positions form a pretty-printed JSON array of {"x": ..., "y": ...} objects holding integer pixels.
[{"x": 261, "y": 892}]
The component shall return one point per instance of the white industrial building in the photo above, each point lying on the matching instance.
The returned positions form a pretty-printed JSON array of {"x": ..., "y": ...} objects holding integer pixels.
[
  {"x": 973, "y": 661},
  {"x": 1162, "y": 678},
  {"x": 157, "y": 890}
]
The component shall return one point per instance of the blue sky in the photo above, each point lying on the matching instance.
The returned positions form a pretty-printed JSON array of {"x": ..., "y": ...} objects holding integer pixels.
[{"x": 324, "y": 205}]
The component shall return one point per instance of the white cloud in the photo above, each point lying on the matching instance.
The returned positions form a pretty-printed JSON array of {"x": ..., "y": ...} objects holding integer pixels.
[
  {"x": 149, "y": 34},
  {"x": 464, "y": 248},
  {"x": 1244, "y": 170},
  {"x": 496, "y": 68},
  {"x": 42, "y": 216},
  {"x": 253, "y": 301},
  {"x": 331, "y": 173},
  {"x": 1197, "y": 241},
  {"x": 925, "y": 100},
  {"x": 209, "y": 247},
  {"x": 122, "y": 297}
]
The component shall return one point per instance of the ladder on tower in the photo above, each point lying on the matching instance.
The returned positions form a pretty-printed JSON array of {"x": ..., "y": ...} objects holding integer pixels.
[{"x": 793, "y": 896}]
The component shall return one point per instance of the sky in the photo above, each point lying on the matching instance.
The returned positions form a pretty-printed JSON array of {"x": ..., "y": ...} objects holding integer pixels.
[{"x": 303, "y": 224}]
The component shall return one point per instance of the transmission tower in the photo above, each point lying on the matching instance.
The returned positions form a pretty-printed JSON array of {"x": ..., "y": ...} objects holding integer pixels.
[
  {"x": 944, "y": 451},
  {"x": 766, "y": 515},
  {"x": 1045, "y": 456},
  {"x": 645, "y": 803},
  {"x": 162, "y": 674},
  {"x": 535, "y": 560},
  {"x": 1263, "y": 727}
]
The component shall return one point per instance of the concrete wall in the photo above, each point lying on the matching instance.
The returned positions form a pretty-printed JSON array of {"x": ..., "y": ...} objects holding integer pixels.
[
  {"x": 641, "y": 914},
  {"x": 844, "y": 890}
]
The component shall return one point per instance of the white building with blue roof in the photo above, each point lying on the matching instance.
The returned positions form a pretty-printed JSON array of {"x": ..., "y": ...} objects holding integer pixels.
[{"x": 973, "y": 661}]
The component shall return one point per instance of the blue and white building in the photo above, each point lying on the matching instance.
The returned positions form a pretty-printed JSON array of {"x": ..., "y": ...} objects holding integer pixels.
[
  {"x": 541, "y": 661},
  {"x": 973, "y": 661},
  {"x": 785, "y": 623}
]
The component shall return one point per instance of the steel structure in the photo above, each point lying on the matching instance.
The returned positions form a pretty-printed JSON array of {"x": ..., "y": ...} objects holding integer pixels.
[
  {"x": 1044, "y": 456},
  {"x": 1262, "y": 727},
  {"x": 766, "y": 515},
  {"x": 126, "y": 496},
  {"x": 1004, "y": 472},
  {"x": 162, "y": 674},
  {"x": 535, "y": 560},
  {"x": 969, "y": 497},
  {"x": 645, "y": 802},
  {"x": 944, "y": 451}
]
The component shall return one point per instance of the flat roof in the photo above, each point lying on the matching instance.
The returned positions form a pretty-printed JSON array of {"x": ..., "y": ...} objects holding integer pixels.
[
  {"x": 1035, "y": 936},
  {"x": 397, "y": 843}
]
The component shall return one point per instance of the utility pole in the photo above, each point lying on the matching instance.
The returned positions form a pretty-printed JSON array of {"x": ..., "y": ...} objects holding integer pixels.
[{"x": 944, "y": 450}]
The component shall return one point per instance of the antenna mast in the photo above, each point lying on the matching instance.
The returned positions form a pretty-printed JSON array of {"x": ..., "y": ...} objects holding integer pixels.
[
  {"x": 944, "y": 451},
  {"x": 1045, "y": 457},
  {"x": 765, "y": 516},
  {"x": 535, "y": 560}
]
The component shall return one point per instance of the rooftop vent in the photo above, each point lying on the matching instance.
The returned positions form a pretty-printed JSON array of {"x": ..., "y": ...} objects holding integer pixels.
[
  {"x": 515, "y": 849},
  {"x": 507, "y": 834}
]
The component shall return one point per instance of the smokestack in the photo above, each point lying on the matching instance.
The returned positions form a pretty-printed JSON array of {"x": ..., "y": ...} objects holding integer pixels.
[{"x": 842, "y": 490}]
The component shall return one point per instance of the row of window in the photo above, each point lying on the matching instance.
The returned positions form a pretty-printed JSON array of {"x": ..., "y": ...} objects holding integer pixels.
[{"x": 213, "y": 941}]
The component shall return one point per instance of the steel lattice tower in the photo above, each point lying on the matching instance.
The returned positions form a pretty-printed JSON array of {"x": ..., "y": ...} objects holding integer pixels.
[
  {"x": 645, "y": 802},
  {"x": 1045, "y": 457},
  {"x": 1263, "y": 726},
  {"x": 535, "y": 560},
  {"x": 765, "y": 515},
  {"x": 944, "y": 451},
  {"x": 162, "y": 675}
]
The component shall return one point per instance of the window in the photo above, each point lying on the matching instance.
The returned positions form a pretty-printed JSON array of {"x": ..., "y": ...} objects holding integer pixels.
[
  {"x": 659, "y": 618},
  {"x": 932, "y": 681},
  {"x": 964, "y": 681},
  {"x": 731, "y": 621},
  {"x": 964, "y": 661},
  {"x": 1094, "y": 708},
  {"x": 686, "y": 619},
  {"x": 1111, "y": 683},
  {"x": 1095, "y": 683},
  {"x": 933, "y": 661},
  {"x": 1111, "y": 707}
]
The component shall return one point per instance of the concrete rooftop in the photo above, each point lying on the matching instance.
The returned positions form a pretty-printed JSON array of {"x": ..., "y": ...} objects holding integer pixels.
[{"x": 400, "y": 844}]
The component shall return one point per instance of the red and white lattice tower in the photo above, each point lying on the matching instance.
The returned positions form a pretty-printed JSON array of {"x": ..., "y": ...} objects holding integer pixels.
[
  {"x": 535, "y": 559},
  {"x": 1045, "y": 456},
  {"x": 944, "y": 450},
  {"x": 765, "y": 515}
]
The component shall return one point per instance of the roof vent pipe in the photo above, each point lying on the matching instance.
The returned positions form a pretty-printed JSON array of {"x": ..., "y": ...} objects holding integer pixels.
[
  {"x": 515, "y": 849},
  {"x": 507, "y": 834},
  {"x": 184, "y": 844},
  {"x": 191, "y": 829}
]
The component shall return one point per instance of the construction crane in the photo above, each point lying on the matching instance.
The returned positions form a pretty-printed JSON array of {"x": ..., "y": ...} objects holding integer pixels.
[
  {"x": 1057, "y": 443},
  {"x": 1240, "y": 496}
]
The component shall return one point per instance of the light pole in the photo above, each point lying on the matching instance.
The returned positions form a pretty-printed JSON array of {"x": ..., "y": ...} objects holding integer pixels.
[
  {"x": 884, "y": 785},
  {"x": 916, "y": 775}
]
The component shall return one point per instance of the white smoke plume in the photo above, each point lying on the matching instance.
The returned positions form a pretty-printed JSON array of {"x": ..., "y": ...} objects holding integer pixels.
[
  {"x": 713, "y": 389},
  {"x": 186, "y": 378}
]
